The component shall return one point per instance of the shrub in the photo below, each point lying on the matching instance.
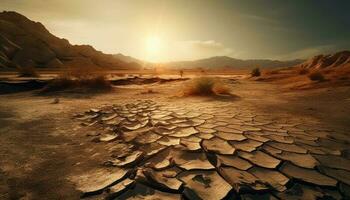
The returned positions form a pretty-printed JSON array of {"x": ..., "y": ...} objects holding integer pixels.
[
  {"x": 316, "y": 76},
  {"x": 255, "y": 72},
  {"x": 27, "y": 72},
  {"x": 221, "y": 88},
  {"x": 79, "y": 79},
  {"x": 205, "y": 87},
  {"x": 303, "y": 71}
]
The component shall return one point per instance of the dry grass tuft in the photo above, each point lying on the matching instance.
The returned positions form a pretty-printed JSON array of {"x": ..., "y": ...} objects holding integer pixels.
[
  {"x": 27, "y": 72},
  {"x": 316, "y": 76},
  {"x": 255, "y": 72},
  {"x": 78, "y": 78},
  {"x": 205, "y": 86}
]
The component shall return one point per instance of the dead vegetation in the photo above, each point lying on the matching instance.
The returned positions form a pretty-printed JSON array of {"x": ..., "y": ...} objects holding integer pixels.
[
  {"x": 88, "y": 79},
  {"x": 27, "y": 72},
  {"x": 316, "y": 76},
  {"x": 255, "y": 72},
  {"x": 206, "y": 86}
]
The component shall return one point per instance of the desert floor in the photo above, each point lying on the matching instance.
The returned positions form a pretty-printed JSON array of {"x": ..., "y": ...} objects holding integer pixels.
[{"x": 262, "y": 142}]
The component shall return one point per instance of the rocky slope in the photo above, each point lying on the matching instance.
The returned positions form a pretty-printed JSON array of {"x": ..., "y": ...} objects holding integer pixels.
[
  {"x": 337, "y": 60},
  {"x": 27, "y": 43}
]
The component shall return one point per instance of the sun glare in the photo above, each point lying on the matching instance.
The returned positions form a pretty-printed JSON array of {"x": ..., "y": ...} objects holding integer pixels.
[{"x": 153, "y": 45}]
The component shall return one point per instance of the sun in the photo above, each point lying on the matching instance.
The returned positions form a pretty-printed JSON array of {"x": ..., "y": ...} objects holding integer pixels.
[{"x": 153, "y": 45}]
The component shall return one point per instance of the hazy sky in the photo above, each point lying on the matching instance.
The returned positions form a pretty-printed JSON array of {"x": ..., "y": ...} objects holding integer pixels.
[{"x": 168, "y": 30}]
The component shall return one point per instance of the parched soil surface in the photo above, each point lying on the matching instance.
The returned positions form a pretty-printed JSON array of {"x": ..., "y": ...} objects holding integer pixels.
[{"x": 264, "y": 142}]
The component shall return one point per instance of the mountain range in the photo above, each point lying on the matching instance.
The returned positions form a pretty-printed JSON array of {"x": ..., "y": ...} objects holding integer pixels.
[
  {"x": 27, "y": 43},
  {"x": 24, "y": 42},
  {"x": 225, "y": 62}
]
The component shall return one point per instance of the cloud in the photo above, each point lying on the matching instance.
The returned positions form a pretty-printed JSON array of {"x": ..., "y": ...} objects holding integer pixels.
[
  {"x": 208, "y": 47},
  {"x": 261, "y": 19}
]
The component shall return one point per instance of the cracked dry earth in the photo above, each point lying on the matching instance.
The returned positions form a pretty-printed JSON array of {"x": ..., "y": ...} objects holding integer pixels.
[{"x": 212, "y": 151}]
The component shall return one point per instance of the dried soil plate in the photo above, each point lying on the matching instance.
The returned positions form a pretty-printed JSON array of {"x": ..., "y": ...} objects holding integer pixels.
[
  {"x": 233, "y": 161},
  {"x": 307, "y": 175},
  {"x": 218, "y": 145},
  {"x": 94, "y": 181},
  {"x": 185, "y": 132},
  {"x": 273, "y": 178},
  {"x": 205, "y": 185},
  {"x": 260, "y": 159},
  {"x": 241, "y": 180}
]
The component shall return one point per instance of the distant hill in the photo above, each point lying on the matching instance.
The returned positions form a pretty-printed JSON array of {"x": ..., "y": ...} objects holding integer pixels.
[
  {"x": 228, "y": 62},
  {"x": 130, "y": 60},
  {"x": 27, "y": 43},
  {"x": 127, "y": 59},
  {"x": 337, "y": 60}
]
